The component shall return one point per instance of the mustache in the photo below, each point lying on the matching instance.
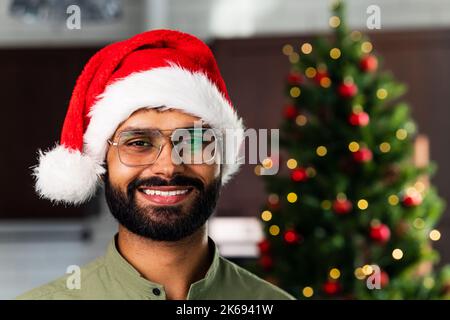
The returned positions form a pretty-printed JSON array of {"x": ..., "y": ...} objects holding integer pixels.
[{"x": 159, "y": 182}]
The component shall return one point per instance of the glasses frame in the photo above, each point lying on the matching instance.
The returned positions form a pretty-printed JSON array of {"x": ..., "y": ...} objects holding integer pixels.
[{"x": 218, "y": 139}]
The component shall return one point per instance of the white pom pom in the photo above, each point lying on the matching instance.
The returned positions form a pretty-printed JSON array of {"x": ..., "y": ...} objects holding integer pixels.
[{"x": 67, "y": 176}]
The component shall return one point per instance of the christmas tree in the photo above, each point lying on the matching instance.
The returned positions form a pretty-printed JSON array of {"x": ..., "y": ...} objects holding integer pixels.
[{"x": 351, "y": 216}]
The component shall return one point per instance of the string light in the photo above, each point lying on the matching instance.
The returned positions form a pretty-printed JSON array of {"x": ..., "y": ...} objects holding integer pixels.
[
  {"x": 322, "y": 67},
  {"x": 258, "y": 170},
  {"x": 301, "y": 120},
  {"x": 363, "y": 204},
  {"x": 326, "y": 204},
  {"x": 267, "y": 163},
  {"x": 367, "y": 270},
  {"x": 366, "y": 47},
  {"x": 359, "y": 273},
  {"x": 411, "y": 191},
  {"x": 397, "y": 254},
  {"x": 401, "y": 134},
  {"x": 341, "y": 196},
  {"x": 311, "y": 172},
  {"x": 428, "y": 282},
  {"x": 420, "y": 186},
  {"x": 410, "y": 126},
  {"x": 274, "y": 230},
  {"x": 310, "y": 72},
  {"x": 308, "y": 292},
  {"x": 306, "y": 48},
  {"x": 295, "y": 92},
  {"x": 334, "y": 21},
  {"x": 266, "y": 215},
  {"x": 385, "y": 147},
  {"x": 335, "y": 4},
  {"x": 335, "y": 53},
  {"x": 325, "y": 82},
  {"x": 375, "y": 223},
  {"x": 294, "y": 57},
  {"x": 357, "y": 108},
  {"x": 335, "y": 273},
  {"x": 273, "y": 199},
  {"x": 288, "y": 49},
  {"x": 382, "y": 93},
  {"x": 355, "y": 35},
  {"x": 321, "y": 151},
  {"x": 348, "y": 80},
  {"x": 393, "y": 199},
  {"x": 292, "y": 197},
  {"x": 291, "y": 164},
  {"x": 419, "y": 223},
  {"x": 353, "y": 146},
  {"x": 435, "y": 235}
]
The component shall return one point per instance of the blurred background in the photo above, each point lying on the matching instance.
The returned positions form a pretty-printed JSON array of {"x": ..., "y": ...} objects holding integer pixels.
[{"x": 41, "y": 56}]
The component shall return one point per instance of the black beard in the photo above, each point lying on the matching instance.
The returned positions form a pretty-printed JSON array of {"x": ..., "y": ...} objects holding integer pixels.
[{"x": 163, "y": 223}]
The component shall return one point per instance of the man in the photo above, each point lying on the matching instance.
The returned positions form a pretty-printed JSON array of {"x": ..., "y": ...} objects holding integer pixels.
[{"x": 143, "y": 112}]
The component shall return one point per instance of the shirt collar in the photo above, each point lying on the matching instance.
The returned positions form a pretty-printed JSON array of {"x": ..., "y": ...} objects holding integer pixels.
[{"x": 124, "y": 273}]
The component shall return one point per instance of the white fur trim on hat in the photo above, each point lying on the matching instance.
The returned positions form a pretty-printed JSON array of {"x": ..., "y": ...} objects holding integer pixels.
[
  {"x": 65, "y": 175},
  {"x": 173, "y": 87}
]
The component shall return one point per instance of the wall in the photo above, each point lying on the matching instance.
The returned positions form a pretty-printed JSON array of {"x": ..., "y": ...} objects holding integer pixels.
[
  {"x": 16, "y": 33},
  {"x": 224, "y": 18},
  {"x": 237, "y": 18}
]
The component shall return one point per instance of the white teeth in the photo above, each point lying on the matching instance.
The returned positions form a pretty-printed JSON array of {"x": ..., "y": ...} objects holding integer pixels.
[{"x": 164, "y": 193}]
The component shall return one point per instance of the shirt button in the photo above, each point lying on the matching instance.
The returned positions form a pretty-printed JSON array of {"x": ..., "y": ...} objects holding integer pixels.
[{"x": 156, "y": 291}]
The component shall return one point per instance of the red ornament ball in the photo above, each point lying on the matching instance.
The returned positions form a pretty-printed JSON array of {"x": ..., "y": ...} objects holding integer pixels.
[
  {"x": 360, "y": 119},
  {"x": 331, "y": 287},
  {"x": 266, "y": 262},
  {"x": 292, "y": 237},
  {"x": 299, "y": 175},
  {"x": 294, "y": 78},
  {"x": 380, "y": 233},
  {"x": 347, "y": 90},
  {"x": 369, "y": 63},
  {"x": 362, "y": 155},
  {"x": 342, "y": 206},
  {"x": 384, "y": 279},
  {"x": 264, "y": 246},
  {"x": 290, "y": 111},
  {"x": 412, "y": 199}
]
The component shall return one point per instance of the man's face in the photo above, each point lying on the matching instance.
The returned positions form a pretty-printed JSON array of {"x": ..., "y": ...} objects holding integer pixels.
[{"x": 137, "y": 196}]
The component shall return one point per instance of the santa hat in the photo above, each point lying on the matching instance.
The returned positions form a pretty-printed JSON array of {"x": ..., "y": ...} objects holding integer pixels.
[{"x": 152, "y": 69}]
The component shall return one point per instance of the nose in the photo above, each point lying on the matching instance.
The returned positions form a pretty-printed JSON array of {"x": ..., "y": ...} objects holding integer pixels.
[{"x": 164, "y": 166}]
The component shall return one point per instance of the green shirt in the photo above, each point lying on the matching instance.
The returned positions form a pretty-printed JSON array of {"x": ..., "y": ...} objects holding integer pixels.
[{"x": 112, "y": 277}]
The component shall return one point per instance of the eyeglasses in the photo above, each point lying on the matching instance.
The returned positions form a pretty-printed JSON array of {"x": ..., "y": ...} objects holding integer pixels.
[{"x": 189, "y": 145}]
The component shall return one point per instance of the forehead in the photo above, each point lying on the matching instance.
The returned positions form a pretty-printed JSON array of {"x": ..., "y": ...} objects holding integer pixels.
[{"x": 158, "y": 119}]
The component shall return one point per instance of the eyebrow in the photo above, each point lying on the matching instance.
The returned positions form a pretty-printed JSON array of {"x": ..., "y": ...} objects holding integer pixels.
[{"x": 132, "y": 128}]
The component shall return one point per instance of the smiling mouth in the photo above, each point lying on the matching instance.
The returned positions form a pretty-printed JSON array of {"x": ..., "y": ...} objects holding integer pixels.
[{"x": 165, "y": 195}]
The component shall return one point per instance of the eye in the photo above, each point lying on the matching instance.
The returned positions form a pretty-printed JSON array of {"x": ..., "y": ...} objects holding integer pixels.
[{"x": 139, "y": 143}]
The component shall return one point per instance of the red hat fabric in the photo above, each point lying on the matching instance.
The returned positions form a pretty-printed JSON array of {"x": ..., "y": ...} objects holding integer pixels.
[{"x": 158, "y": 68}]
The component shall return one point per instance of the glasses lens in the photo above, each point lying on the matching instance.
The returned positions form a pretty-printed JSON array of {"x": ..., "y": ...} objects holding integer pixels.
[
  {"x": 195, "y": 145},
  {"x": 139, "y": 147}
]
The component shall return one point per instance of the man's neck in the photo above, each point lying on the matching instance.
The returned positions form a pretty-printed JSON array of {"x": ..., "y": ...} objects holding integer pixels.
[{"x": 175, "y": 265}]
